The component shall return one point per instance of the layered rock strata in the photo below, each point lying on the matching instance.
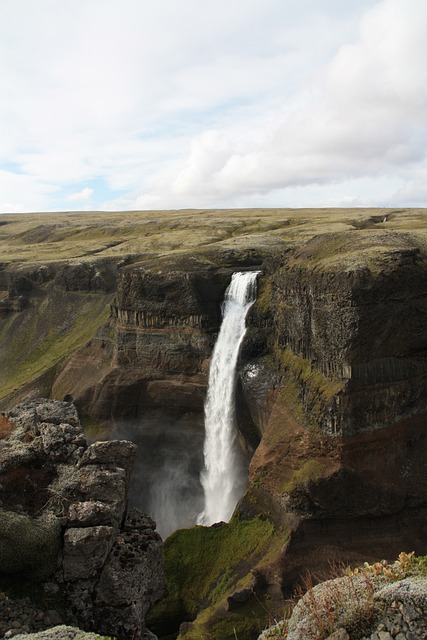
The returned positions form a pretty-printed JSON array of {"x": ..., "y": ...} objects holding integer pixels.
[
  {"x": 162, "y": 323},
  {"x": 334, "y": 375},
  {"x": 341, "y": 460},
  {"x": 99, "y": 560}
]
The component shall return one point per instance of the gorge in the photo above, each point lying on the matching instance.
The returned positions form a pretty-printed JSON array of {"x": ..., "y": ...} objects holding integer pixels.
[{"x": 120, "y": 314}]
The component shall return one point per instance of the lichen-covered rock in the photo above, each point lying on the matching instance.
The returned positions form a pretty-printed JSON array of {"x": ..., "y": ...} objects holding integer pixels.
[
  {"x": 62, "y": 442},
  {"x": 114, "y": 453},
  {"x": 29, "y": 547},
  {"x": 30, "y": 415},
  {"x": 342, "y": 603},
  {"x": 362, "y": 606},
  {"x": 105, "y": 485},
  {"x": 85, "y": 551},
  {"x": 66, "y": 503},
  {"x": 91, "y": 513},
  {"x": 59, "y": 633},
  {"x": 126, "y": 573}
]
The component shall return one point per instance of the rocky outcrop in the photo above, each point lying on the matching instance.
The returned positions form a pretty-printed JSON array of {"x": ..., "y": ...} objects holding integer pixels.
[
  {"x": 60, "y": 633},
  {"x": 362, "y": 606},
  {"x": 341, "y": 460},
  {"x": 68, "y": 503}
]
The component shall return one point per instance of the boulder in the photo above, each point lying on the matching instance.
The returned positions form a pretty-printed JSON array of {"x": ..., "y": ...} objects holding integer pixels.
[{"x": 67, "y": 504}]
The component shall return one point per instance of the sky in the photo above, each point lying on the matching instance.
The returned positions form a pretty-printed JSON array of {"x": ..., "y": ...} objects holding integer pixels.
[{"x": 172, "y": 104}]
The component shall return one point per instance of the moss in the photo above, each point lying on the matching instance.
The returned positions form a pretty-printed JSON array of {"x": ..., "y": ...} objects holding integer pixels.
[
  {"x": 372, "y": 250},
  {"x": 291, "y": 396},
  {"x": 305, "y": 390},
  {"x": 311, "y": 470},
  {"x": 136, "y": 233},
  {"x": 420, "y": 563},
  {"x": 263, "y": 301},
  {"x": 246, "y": 622},
  {"x": 203, "y": 564},
  {"x": 38, "y": 339},
  {"x": 35, "y": 555}
]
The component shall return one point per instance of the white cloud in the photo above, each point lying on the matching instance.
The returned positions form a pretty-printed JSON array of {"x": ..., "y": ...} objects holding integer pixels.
[
  {"x": 80, "y": 196},
  {"x": 19, "y": 192},
  {"x": 208, "y": 154},
  {"x": 196, "y": 104},
  {"x": 369, "y": 116}
]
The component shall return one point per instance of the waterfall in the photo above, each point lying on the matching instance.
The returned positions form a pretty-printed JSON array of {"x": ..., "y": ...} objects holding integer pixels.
[{"x": 223, "y": 478}]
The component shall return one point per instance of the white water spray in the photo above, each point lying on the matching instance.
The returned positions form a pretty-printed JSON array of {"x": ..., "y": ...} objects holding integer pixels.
[{"x": 223, "y": 478}]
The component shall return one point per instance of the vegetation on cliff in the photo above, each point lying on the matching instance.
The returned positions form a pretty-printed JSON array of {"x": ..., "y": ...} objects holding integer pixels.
[
  {"x": 356, "y": 602},
  {"x": 336, "y": 351},
  {"x": 204, "y": 566},
  {"x": 58, "y": 271}
]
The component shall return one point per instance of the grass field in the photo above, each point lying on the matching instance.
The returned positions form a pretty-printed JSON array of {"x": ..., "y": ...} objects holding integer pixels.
[{"x": 44, "y": 237}]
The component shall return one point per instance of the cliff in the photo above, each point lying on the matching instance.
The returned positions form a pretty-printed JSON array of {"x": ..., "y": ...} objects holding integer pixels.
[
  {"x": 340, "y": 463},
  {"x": 334, "y": 375},
  {"x": 331, "y": 397}
]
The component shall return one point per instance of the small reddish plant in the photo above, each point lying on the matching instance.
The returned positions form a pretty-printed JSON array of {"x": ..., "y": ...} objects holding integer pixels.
[{"x": 6, "y": 427}]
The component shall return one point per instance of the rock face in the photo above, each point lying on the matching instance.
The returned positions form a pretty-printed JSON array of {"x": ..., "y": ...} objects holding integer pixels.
[
  {"x": 334, "y": 376},
  {"x": 46, "y": 312},
  {"x": 163, "y": 321},
  {"x": 362, "y": 324},
  {"x": 341, "y": 460},
  {"x": 69, "y": 501},
  {"x": 143, "y": 367},
  {"x": 148, "y": 374}
]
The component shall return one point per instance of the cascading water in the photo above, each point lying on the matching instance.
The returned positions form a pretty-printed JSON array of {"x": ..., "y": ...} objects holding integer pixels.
[{"x": 223, "y": 478}]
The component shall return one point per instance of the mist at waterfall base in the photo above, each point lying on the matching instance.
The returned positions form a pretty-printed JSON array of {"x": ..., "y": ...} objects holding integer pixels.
[
  {"x": 166, "y": 474},
  {"x": 224, "y": 476}
]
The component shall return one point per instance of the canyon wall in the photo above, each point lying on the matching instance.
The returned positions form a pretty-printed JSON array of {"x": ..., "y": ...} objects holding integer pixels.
[
  {"x": 331, "y": 397},
  {"x": 333, "y": 375},
  {"x": 341, "y": 462}
]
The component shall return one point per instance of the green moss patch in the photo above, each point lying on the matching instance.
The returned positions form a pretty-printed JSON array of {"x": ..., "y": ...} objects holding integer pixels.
[
  {"x": 306, "y": 391},
  {"x": 263, "y": 301},
  {"x": 310, "y": 471},
  {"x": 204, "y": 564},
  {"x": 28, "y": 547},
  {"x": 214, "y": 623},
  {"x": 35, "y": 340}
]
